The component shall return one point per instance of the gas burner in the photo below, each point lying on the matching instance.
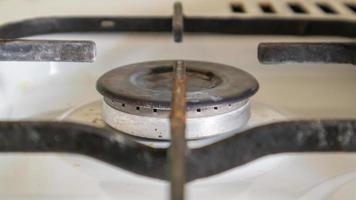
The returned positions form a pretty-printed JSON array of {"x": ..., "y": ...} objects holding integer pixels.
[{"x": 137, "y": 98}]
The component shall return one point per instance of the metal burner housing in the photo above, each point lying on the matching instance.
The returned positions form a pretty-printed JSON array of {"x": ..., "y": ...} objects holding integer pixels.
[{"x": 137, "y": 98}]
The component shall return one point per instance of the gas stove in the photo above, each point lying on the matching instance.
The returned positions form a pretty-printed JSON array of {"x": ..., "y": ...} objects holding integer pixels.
[{"x": 177, "y": 100}]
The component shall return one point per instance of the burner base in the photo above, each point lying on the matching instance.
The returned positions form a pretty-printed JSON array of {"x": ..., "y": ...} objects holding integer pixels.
[
  {"x": 91, "y": 114},
  {"x": 158, "y": 127}
]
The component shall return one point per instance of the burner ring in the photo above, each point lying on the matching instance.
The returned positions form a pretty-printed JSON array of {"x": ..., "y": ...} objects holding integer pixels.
[
  {"x": 147, "y": 86},
  {"x": 137, "y": 98}
]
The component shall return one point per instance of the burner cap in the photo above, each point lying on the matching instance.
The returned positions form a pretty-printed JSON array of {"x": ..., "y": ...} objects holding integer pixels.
[{"x": 141, "y": 91}]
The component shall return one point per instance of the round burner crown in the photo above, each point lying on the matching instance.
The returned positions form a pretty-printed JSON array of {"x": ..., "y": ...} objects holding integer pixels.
[{"x": 147, "y": 86}]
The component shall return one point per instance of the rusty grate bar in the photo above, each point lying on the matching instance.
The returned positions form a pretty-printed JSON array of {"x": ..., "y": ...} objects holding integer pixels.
[
  {"x": 287, "y": 52},
  {"x": 178, "y": 22},
  {"x": 177, "y": 152},
  {"x": 47, "y": 50}
]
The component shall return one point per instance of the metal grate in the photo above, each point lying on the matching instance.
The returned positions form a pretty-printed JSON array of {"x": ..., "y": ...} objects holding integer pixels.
[
  {"x": 267, "y": 8},
  {"x": 237, "y": 8},
  {"x": 351, "y": 7},
  {"x": 296, "y": 8},
  {"x": 326, "y": 8}
]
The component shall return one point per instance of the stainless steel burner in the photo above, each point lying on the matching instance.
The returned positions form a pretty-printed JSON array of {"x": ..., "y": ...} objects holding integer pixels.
[{"x": 137, "y": 98}]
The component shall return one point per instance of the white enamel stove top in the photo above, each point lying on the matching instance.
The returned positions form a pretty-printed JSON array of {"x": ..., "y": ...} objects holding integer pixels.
[{"x": 55, "y": 91}]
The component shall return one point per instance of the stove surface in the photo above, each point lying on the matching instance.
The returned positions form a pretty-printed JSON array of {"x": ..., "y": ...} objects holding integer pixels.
[{"x": 66, "y": 91}]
